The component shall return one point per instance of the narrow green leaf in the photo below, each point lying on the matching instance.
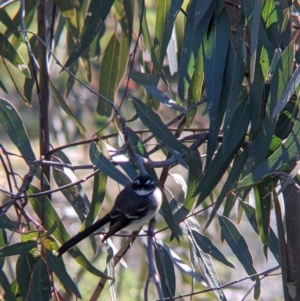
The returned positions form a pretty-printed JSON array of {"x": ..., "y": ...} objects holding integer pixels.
[
  {"x": 24, "y": 268},
  {"x": 2, "y": 86},
  {"x": 60, "y": 156},
  {"x": 265, "y": 63},
  {"x": 279, "y": 80},
  {"x": 179, "y": 263},
  {"x": 14, "y": 127},
  {"x": 208, "y": 247},
  {"x": 263, "y": 207},
  {"x": 214, "y": 66},
  {"x": 166, "y": 212},
  {"x": 119, "y": 157},
  {"x": 101, "y": 162},
  {"x": 123, "y": 60},
  {"x": 9, "y": 296},
  {"x": 47, "y": 212},
  {"x": 201, "y": 7},
  {"x": 223, "y": 158},
  {"x": 71, "y": 193},
  {"x": 193, "y": 181},
  {"x": 67, "y": 8},
  {"x": 162, "y": 33},
  {"x": 86, "y": 61},
  {"x": 58, "y": 267},
  {"x": 110, "y": 267},
  {"x": 73, "y": 68},
  {"x": 290, "y": 88},
  {"x": 7, "y": 21},
  {"x": 229, "y": 204},
  {"x": 204, "y": 261},
  {"x": 99, "y": 189},
  {"x": 196, "y": 87},
  {"x": 124, "y": 11},
  {"x": 157, "y": 127},
  {"x": 109, "y": 75},
  {"x": 234, "y": 174},
  {"x": 30, "y": 9},
  {"x": 273, "y": 240},
  {"x": 18, "y": 248},
  {"x": 63, "y": 105},
  {"x": 3, "y": 238},
  {"x": 96, "y": 15},
  {"x": 272, "y": 17},
  {"x": 144, "y": 78},
  {"x": 40, "y": 284},
  {"x": 7, "y": 223},
  {"x": 10, "y": 54},
  {"x": 237, "y": 244},
  {"x": 257, "y": 287},
  {"x": 173, "y": 12},
  {"x": 238, "y": 73},
  {"x": 257, "y": 94},
  {"x": 163, "y": 98},
  {"x": 166, "y": 271},
  {"x": 254, "y": 30},
  {"x": 191, "y": 44},
  {"x": 286, "y": 152}
]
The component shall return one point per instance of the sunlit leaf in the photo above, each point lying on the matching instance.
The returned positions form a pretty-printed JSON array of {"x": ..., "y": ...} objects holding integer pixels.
[
  {"x": 6, "y": 287},
  {"x": 67, "y": 7},
  {"x": 162, "y": 32},
  {"x": 109, "y": 76},
  {"x": 11, "y": 54}
]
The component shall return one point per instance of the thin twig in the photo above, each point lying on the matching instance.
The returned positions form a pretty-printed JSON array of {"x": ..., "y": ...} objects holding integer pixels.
[
  {"x": 264, "y": 274},
  {"x": 119, "y": 255}
]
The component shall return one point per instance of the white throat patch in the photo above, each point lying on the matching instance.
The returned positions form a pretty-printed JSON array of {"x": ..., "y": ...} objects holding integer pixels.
[{"x": 142, "y": 192}]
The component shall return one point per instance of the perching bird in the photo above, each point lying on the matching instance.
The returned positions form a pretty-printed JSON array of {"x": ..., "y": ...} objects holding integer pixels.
[{"x": 135, "y": 205}]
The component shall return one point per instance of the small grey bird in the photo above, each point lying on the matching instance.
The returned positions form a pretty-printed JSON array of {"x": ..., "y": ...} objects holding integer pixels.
[{"x": 135, "y": 205}]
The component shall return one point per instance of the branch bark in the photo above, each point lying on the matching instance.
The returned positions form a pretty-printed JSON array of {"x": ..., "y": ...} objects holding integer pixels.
[{"x": 292, "y": 213}]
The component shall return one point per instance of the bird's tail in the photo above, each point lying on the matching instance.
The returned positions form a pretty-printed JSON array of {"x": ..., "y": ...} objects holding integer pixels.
[{"x": 83, "y": 234}]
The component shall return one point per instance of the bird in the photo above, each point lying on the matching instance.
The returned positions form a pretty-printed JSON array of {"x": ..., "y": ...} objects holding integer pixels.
[{"x": 134, "y": 206}]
